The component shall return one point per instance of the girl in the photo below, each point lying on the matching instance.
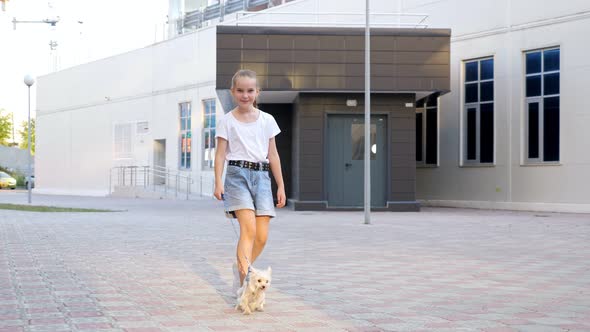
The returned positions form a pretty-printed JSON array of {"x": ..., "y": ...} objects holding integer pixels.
[{"x": 245, "y": 138}]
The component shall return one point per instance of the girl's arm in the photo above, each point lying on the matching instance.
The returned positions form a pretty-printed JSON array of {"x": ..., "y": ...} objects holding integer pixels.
[
  {"x": 275, "y": 167},
  {"x": 219, "y": 163}
]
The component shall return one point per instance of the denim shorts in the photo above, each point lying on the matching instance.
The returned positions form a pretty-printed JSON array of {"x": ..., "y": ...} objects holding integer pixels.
[{"x": 248, "y": 189}]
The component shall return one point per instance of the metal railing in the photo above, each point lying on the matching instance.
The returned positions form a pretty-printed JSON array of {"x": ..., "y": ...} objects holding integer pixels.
[
  {"x": 331, "y": 19},
  {"x": 196, "y": 19},
  {"x": 156, "y": 179}
]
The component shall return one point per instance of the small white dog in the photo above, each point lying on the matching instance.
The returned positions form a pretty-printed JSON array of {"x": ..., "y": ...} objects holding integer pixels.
[{"x": 251, "y": 296}]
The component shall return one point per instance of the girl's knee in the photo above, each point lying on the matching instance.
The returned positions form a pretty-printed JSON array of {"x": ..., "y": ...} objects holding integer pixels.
[
  {"x": 248, "y": 233},
  {"x": 261, "y": 239},
  {"x": 247, "y": 227}
]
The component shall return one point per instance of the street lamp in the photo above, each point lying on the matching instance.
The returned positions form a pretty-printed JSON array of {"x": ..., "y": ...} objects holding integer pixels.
[
  {"x": 367, "y": 115},
  {"x": 29, "y": 81}
]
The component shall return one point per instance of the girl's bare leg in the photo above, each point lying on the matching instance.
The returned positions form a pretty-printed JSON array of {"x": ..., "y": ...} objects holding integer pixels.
[
  {"x": 262, "y": 223},
  {"x": 247, "y": 220}
]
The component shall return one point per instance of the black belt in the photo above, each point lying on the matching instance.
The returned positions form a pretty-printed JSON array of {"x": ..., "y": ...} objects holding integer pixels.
[{"x": 250, "y": 165}]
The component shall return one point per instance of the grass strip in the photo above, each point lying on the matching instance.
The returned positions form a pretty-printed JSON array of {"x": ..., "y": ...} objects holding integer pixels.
[{"x": 39, "y": 208}]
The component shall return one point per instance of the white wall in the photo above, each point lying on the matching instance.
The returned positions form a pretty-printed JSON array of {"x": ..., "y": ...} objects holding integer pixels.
[
  {"x": 75, "y": 121},
  {"x": 504, "y": 31},
  {"x": 79, "y": 107}
]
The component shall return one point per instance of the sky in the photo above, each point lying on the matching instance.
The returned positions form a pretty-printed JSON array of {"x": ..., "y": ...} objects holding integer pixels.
[{"x": 109, "y": 27}]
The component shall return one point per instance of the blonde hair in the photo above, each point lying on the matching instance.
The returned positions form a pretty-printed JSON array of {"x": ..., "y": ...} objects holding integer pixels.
[{"x": 245, "y": 73}]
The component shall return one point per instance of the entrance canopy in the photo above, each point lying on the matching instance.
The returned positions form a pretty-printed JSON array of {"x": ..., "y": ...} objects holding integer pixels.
[{"x": 316, "y": 59}]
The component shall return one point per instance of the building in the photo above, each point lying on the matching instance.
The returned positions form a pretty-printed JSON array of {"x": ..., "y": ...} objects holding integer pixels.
[{"x": 481, "y": 109}]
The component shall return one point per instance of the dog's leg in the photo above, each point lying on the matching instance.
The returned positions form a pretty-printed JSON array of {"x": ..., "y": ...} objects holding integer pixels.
[
  {"x": 262, "y": 301},
  {"x": 246, "y": 309},
  {"x": 240, "y": 299}
]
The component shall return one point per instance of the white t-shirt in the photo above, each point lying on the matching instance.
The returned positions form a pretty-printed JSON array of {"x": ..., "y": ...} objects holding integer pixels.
[{"x": 247, "y": 140}]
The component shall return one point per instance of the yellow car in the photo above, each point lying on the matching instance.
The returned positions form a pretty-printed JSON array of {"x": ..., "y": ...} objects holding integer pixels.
[{"x": 7, "y": 181}]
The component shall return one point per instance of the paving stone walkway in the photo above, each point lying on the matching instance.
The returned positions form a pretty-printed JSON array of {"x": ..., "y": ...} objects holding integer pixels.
[{"x": 165, "y": 265}]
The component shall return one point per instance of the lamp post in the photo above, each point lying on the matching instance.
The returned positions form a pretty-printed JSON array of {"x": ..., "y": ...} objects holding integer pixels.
[
  {"x": 367, "y": 116},
  {"x": 29, "y": 81}
]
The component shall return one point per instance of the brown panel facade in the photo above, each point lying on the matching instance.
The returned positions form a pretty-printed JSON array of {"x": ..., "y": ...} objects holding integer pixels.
[
  {"x": 309, "y": 132},
  {"x": 332, "y": 59}
]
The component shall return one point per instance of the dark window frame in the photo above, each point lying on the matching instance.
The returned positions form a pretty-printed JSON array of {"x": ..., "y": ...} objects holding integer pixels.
[
  {"x": 539, "y": 143},
  {"x": 185, "y": 133},
  {"x": 470, "y": 157},
  {"x": 423, "y": 109},
  {"x": 209, "y": 128}
]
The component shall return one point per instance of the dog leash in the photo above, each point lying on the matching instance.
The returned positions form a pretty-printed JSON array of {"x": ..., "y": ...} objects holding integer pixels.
[{"x": 231, "y": 219}]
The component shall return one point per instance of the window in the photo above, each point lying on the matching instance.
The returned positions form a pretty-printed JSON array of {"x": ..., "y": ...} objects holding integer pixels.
[
  {"x": 185, "y": 135},
  {"x": 542, "y": 105},
  {"x": 479, "y": 111},
  {"x": 427, "y": 130},
  {"x": 209, "y": 133},
  {"x": 123, "y": 144},
  {"x": 357, "y": 132}
]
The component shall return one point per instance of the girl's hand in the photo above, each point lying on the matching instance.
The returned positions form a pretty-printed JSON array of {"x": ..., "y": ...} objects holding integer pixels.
[
  {"x": 218, "y": 192},
  {"x": 281, "y": 197}
]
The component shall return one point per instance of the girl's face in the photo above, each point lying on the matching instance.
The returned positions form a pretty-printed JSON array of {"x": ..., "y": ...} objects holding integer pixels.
[{"x": 245, "y": 91}]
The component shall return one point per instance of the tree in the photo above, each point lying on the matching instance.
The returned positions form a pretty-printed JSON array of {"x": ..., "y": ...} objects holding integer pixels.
[
  {"x": 5, "y": 128},
  {"x": 24, "y": 134}
]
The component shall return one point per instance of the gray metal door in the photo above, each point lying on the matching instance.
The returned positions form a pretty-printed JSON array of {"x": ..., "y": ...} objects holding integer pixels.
[{"x": 345, "y": 172}]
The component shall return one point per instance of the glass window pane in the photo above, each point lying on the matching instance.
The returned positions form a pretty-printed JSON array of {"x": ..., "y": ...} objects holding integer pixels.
[
  {"x": 182, "y": 124},
  {"x": 418, "y": 136},
  {"x": 213, "y": 138},
  {"x": 182, "y": 143},
  {"x": 533, "y": 132},
  {"x": 357, "y": 141},
  {"x": 206, "y": 140},
  {"x": 431, "y": 136},
  {"x": 357, "y": 132},
  {"x": 432, "y": 101},
  {"x": 551, "y": 84},
  {"x": 551, "y": 129},
  {"x": 487, "y": 69},
  {"x": 213, "y": 122},
  {"x": 533, "y": 86},
  {"x": 551, "y": 60},
  {"x": 188, "y": 109},
  {"x": 486, "y": 91},
  {"x": 471, "y": 73},
  {"x": 188, "y": 160},
  {"x": 486, "y": 139},
  {"x": 188, "y": 124},
  {"x": 206, "y": 104},
  {"x": 471, "y": 132},
  {"x": 533, "y": 62},
  {"x": 471, "y": 93},
  {"x": 206, "y": 124}
]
